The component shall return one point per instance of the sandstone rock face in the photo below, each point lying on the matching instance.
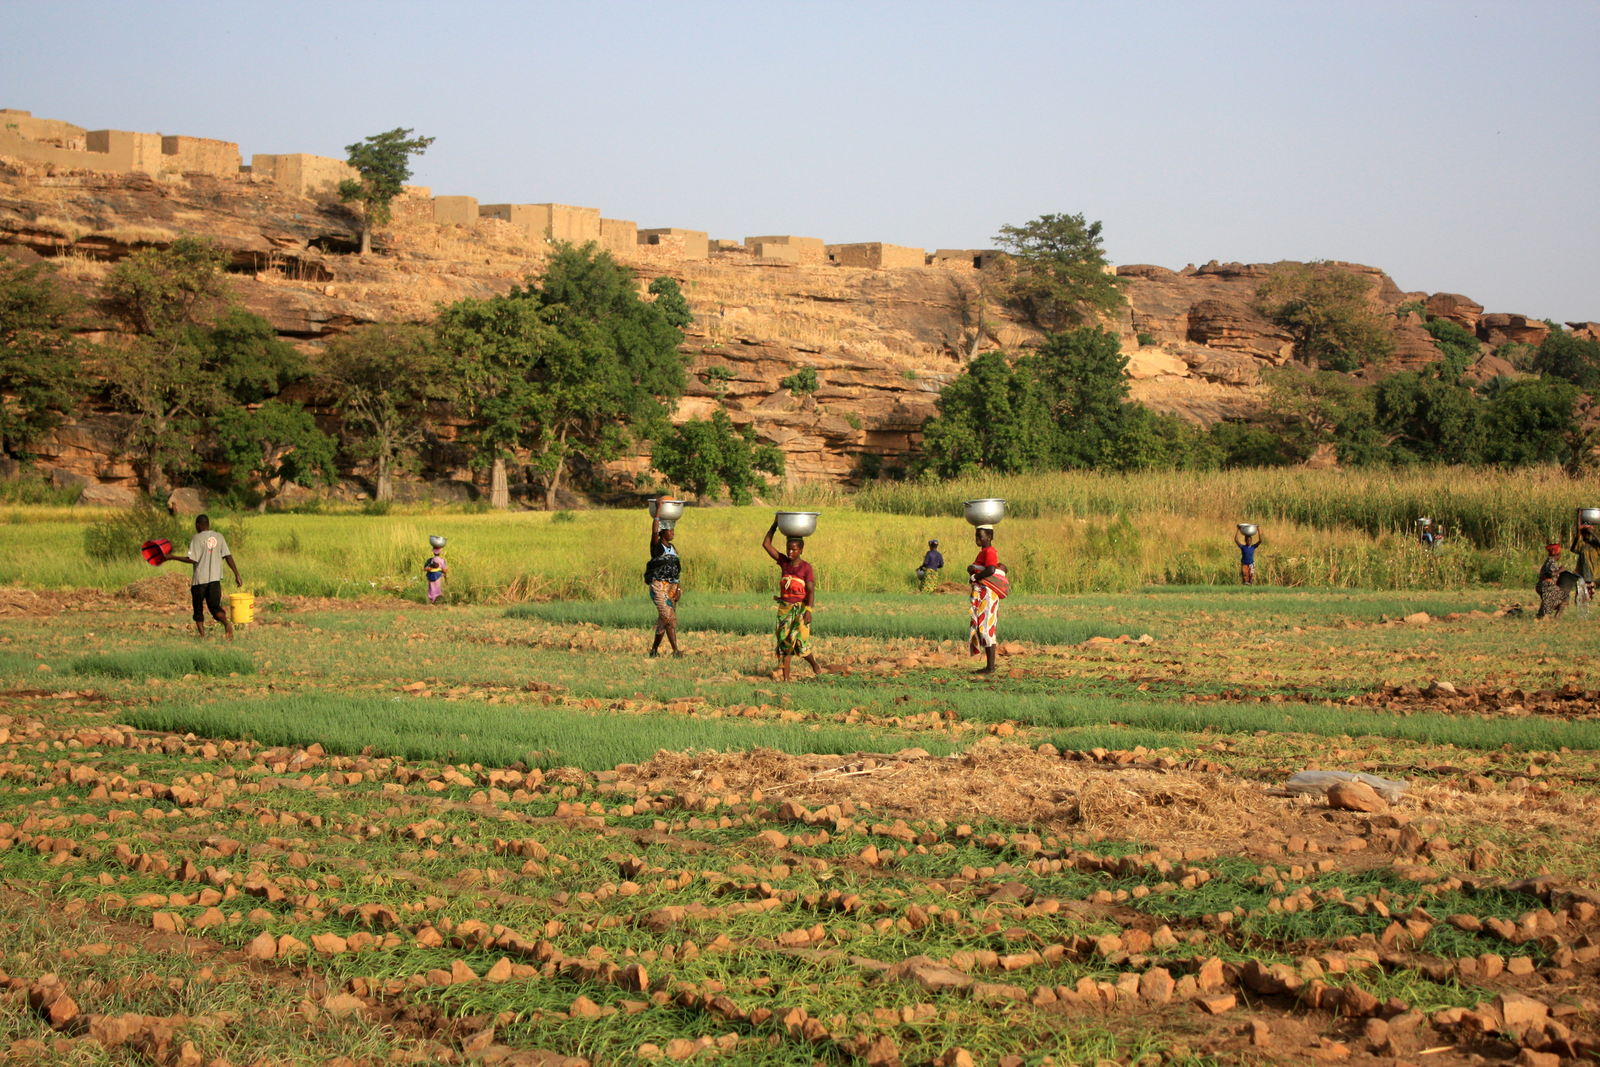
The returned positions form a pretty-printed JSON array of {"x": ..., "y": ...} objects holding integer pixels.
[
  {"x": 1233, "y": 325},
  {"x": 1499, "y": 329},
  {"x": 883, "y": 342},
  {"x": 1413, "y": 346},
  {"x": 1585, "y": 331},
  {"x": 1490, "y": 366},
  {"x": 1455, "y": 307},
  {"x": 1154, "y": 363}
]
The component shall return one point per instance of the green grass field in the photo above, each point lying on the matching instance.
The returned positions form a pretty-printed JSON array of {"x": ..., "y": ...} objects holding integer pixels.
[
  {"x": 1065, "y": 534},
  {"x": 418, "y": 840}
]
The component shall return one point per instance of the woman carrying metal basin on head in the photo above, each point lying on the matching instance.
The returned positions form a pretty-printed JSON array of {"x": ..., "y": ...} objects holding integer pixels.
[
  {"x": 989, "y": 582},
  {"x": 663, "y": 574},
  {"x": 1248, "y": 537},
  {"x": 797, "y": 587}
]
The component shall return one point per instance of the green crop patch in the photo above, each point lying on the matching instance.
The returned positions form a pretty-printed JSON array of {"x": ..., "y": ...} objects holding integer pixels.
[
  {"x": 164, "y": 663},
  {"x": 536, "y": 737},
  {"x": 884, "y": 617}
]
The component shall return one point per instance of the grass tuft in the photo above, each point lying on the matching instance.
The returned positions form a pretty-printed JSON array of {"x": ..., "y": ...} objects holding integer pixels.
[
  {"x": 547, "y": 737},
  {"x": 165, "y": 663}
]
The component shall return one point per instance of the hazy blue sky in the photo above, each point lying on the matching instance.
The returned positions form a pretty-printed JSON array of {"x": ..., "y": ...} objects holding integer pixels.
[{"x": 1456, "y": 145}]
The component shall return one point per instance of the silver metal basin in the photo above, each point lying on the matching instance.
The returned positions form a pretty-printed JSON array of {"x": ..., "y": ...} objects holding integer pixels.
[
  {"x": 1589, "y": 516},
  {"x": 438, "y": 542},
  {"x": 667, "y": 510},
  {"x": 985, "y": 512},
  {"x": 1249, "y": 529},
  {"x": 797, "y": 523}
]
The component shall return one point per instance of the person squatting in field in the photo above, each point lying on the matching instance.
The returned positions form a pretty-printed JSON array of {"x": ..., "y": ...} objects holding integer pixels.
[
  {"x": 797, "y": 585},
  {"x": 989, "y": 587},
  {"x": 208, "y": 551},
  {"x": 1551, "y": 588},
  {"x": 663, "y": 575},
  {"x": 1247, "y": 556}
]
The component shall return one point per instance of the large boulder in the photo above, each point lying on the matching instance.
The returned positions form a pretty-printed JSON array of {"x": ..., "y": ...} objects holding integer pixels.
[
  {"x": 290, "y": 497},
  {"x": 1499, "y": 329},
  {"x": 186, "y": 502},
  {"x": 1222, "y": 366},
  {"x": 1413, "y": 346},
  {"x": 60, "y": 478},
  {"x": 1585, "y": 331},
  {"x": 1455, "y": 307},
  {"x": 1489, "y": 366},
  {"x": 108, "y": 496},
  {"x": 1155, "y": 362}
]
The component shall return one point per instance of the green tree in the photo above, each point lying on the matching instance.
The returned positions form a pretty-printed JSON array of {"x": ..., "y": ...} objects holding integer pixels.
[
  {"x": 703, "y": 456},
  {"x": 1082, "y": 378},
  {"x": 994, "y": 418},
  {"x": 1424, "y": 419},
  {"x": 1149, "y": 440},
  {"x": 1243, "y": 445},
  {"x": 492, "y": 349},
  {"x": 1058, "y": 275},
  {"x": 382, "y": 379},
  {"x": 1531, "y": 421},
  {"x": 159, "y": 291},
  {"x": 1315, "y": 408},
  {"x": 1565, "y": 356},
  {"x": 191, "y": 353},
  {"x": 671, "y": 301},
  {"x": 617, "y": 370},
  {"x": 1326, "y": 309},
  {"x": 272, "y": 446},
  {"x": 382, "y": 164},
  {"x": 40, "y": 361},
  {"x": 1459, "y": 345}
]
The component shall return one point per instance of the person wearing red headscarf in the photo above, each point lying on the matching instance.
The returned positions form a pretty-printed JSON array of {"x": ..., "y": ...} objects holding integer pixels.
[{"x": 1552, "y": 595}]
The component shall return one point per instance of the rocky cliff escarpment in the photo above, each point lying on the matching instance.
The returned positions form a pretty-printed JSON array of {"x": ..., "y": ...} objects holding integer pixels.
[{"x": 882, "y": 342}]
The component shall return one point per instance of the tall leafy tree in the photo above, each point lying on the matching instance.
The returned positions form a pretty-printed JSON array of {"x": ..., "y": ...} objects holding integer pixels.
[
  {"x": 1311, "y": 409},
  {"x": 704, "y": 456},
  {"x": 1564, "y": 355},
  {"x": 616, "y": 372},
  {"x": 40, "y": 361},
  {"x": 189, "y": 354},
  {"x": 1327, "y": 310},
  {"x": 1428, "y": 420},
  {"x": 1530, "y": 422},
  {"x": 1058, "y": 274},
  {"x": 383, "y": 164},
  {"x": 994, "y": 417},
  {"x": 492, "y": 350},
  {"x": 382, "y": 379},
  {"x": 273, "y": 445},
  {"x": 1149, "y": 440},
  {"x": 1082, "y": 375}
]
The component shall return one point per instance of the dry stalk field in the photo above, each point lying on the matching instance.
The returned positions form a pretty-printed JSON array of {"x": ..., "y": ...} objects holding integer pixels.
[{"x": 369, "y": 832}]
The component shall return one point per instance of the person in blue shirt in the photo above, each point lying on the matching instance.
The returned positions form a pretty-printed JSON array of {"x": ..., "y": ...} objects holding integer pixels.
[
  {"x": 932, "y": 563},
  {"x": 1247, "y": 556}
]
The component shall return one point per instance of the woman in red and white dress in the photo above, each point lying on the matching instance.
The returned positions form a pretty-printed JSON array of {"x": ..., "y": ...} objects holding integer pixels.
[{"x": 989, "y": 587}]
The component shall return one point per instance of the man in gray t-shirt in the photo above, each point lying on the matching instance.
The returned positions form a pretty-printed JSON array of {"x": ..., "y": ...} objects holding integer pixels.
[{"x": 208, "y": 551}]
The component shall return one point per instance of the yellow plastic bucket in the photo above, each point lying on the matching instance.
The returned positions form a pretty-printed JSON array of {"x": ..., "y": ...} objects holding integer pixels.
[{"x": 242, "y": 608}]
